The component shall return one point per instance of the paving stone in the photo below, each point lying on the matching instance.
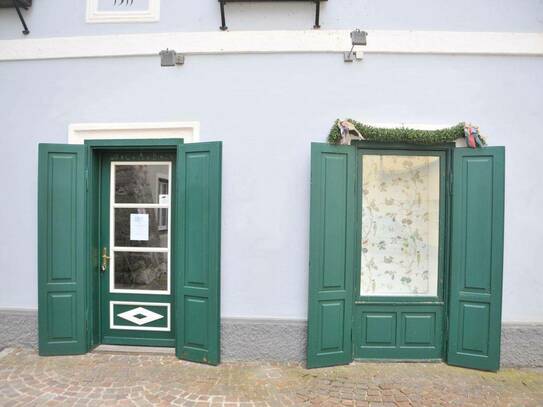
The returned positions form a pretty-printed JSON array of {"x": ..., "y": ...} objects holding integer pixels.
[{"x": 99, "y": 379}]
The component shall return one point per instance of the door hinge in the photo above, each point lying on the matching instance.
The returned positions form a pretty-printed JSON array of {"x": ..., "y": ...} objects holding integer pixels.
[
  {"x": 352, "y": 341},
  {"x": 86, "y": 180},
  {"x": 446, "y": 336},
  {"x": 451, "y": 183}
]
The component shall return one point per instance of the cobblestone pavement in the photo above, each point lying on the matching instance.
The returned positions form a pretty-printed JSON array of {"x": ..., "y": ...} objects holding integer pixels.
[{"x": 104, "y": 379}]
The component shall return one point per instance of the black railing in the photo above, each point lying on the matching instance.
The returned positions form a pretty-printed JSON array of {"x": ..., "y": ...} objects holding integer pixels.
[{"x": 317, "y": 9}]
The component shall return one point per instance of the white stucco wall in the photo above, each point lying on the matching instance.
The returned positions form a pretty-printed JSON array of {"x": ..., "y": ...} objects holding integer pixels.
[
  {"x": 67, "y": 17},
  {"x": 267, "y": 109}
]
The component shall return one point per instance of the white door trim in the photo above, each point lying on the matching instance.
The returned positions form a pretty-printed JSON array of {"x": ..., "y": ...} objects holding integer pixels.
[
  {"x": 79, "y": 132},
  {"x": 255, "y": 42}
]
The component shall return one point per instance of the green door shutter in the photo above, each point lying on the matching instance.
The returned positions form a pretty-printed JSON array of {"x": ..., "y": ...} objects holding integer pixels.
[
  {"x": 61, "y": 249},
  {"x": 331, "y": 254},
  {"x": 476, "y": 258},
  {"x": 197, "y": 249}
]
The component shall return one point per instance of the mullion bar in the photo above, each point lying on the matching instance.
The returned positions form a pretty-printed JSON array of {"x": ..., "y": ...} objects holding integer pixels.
[
  {"x": 140, "y": 249},
  {"x": 139, "y": 206}
]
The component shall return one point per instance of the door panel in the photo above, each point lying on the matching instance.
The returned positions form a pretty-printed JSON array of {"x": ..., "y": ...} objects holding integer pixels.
[
  {"x": 61, "y": 250},
  {"x": 198, "y": 248},
  {"x": 332, "y": 242},
  {"x": 136, "y": 228},
  {"x": 402, "y": 206},
  {"x": 387, "y": 331},
  {"x": 477, "y": 258},
  {"x": 149, "y": 316}
]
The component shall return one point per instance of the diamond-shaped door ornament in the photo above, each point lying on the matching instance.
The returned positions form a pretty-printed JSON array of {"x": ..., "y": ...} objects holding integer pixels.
[{"x": 140, "y": 316}]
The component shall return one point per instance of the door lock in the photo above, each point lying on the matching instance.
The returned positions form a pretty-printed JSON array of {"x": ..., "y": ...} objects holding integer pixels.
[{"x": 105, "y": 260}]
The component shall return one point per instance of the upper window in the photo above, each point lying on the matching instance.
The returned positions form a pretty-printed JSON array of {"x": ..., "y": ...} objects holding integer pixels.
[
  {"x": 400, "y": 225},
  {"x": 122, "y": 11}
]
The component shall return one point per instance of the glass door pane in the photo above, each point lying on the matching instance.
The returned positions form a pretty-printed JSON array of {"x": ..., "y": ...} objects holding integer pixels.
[
  {"x": 140, "y": 227},
  {"x": 140, "y": 183},
  {"x": 400, "y": 225}
]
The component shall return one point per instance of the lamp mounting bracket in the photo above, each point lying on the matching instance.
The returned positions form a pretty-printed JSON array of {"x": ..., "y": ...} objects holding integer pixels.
[{"x": 317, "y": 9}]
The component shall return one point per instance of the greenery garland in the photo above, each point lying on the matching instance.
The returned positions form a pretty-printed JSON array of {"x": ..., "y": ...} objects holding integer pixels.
[{"x": 400, "y": 134}]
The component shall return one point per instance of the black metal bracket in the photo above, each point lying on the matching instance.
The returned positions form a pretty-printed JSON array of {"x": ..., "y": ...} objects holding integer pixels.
[
  {"x": 23, "y": 22},
  {"x": 222, "y": 3},
  {"x": 18, "y": 5}
]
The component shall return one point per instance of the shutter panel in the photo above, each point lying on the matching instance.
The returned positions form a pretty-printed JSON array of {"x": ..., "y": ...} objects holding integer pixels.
[
  {"x": 198, "y": 247},
  {"x": 61, "y": 249},
  {"x": 331, "y": 254},
  {"x": 476, "y": 258}
]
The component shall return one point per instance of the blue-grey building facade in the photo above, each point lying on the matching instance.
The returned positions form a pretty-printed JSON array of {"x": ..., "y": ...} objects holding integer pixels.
[{"x": 267, "y": 100}]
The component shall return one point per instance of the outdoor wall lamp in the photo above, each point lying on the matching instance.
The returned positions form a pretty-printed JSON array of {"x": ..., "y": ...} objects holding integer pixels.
[
  {"x": 168, "y": 57},
  {"x": 357, "y": 38}
]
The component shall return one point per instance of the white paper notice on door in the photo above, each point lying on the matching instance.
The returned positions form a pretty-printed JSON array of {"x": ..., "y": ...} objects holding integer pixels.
[{"x": 139, "y": 226}]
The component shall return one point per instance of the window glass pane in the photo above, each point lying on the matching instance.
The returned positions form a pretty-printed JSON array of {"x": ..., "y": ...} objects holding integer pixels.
[
  {"x": 141, "y": 271},
  {"x": 144, "y": 183},
  {"x": 400, "y": 225},
  {"x": 155, "y": 224}
]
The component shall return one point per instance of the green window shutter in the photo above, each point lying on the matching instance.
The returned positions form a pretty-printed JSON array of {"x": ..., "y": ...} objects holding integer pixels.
[
  {"x": 331, "y": 254},
  {"x": 197, "y": 247},
  {"x": 61, "y": 249},
  {"x": 476, "y": 258}
]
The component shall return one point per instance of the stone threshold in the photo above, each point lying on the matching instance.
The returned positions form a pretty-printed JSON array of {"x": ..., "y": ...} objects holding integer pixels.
[{"x": 134, "y": 349}]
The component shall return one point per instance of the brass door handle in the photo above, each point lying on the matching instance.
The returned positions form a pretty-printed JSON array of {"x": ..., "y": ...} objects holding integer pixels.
[{"x": 105, "y": 260}]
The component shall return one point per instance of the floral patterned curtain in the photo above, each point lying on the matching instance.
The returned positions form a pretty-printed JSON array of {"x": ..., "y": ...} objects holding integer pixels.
[{"x": 400, "y": 225}]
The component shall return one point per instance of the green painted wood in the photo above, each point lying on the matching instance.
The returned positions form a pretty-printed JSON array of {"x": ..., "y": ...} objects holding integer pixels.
[
  {"x": 444, "y": 153},
  {"x": 402, "y": 327},
  {"x": 331, "y": 257},
  {"x": 407, "y": 331},
  {"x": 134, "y": 144},
  {"x": 197, "y": 249},
  {"x": 123, "y": 336},
  {"x": 476, "y": 258},
  {"x": 96, "y": 149},
  {"x": 93, "y": 249},
  {"x": 61, "y": 250}
]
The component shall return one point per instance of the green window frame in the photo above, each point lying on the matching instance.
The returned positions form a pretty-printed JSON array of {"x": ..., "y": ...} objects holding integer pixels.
[{"x": 441, "y": 151}]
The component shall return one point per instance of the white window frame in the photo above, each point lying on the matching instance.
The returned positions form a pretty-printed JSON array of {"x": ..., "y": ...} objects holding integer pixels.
[
  {"x": 94, "y": 15},
  {"x": 159, "y": 178},
  {"x": 78, "y": 133},
  {"x": 113, "y": 205}
]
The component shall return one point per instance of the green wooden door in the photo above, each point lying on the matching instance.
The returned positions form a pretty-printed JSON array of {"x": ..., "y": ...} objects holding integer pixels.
[
  {"x": 137, "y": 282},
  {"x": 476, "y": 258},
  {"x": 331, "y": 254},
  {"x": 400, "y": 253},
  {"x": 198, "y": 247},
  {"x": 61, "y": 249}
]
